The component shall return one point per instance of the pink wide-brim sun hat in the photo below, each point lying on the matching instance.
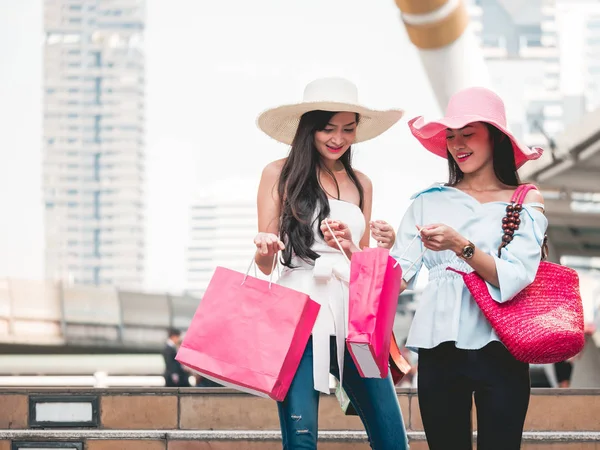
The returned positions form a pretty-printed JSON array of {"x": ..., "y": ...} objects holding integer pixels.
[{"x": 475, "y": 104}]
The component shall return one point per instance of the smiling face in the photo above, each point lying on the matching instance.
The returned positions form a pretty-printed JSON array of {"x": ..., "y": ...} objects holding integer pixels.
[
  {"x": 471, "y": 147},
  {"x": 337, "y": 136}
]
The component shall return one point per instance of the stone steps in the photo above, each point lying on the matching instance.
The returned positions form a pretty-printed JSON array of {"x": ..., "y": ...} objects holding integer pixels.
[
  {"x": 239, "y": 440},
  {"x": 220, "y": 419}
]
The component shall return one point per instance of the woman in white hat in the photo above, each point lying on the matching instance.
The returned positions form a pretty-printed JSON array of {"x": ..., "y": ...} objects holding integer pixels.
[{"x": 296, "y": 196}]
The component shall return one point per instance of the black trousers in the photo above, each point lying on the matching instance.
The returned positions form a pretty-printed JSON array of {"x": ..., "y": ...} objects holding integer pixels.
[{"x": 447, "y": 379}]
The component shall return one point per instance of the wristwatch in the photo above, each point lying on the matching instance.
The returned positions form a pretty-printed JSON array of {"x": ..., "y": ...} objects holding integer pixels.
[{"x": 468, "y": 251}]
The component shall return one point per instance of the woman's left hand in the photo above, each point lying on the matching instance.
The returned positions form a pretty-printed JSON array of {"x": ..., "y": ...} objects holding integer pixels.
[
  {"x": 342, "y": 234},
  {"x": 383, "y": 233},
  {"x": 439, "y": 237}
]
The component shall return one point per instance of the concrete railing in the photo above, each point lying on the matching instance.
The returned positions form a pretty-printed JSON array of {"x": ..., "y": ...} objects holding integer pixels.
[{"x": 43, "y": 313}]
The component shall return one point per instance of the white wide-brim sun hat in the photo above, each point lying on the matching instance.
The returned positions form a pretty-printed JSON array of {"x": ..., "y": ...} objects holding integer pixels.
[{"x": 327, "y": 94}]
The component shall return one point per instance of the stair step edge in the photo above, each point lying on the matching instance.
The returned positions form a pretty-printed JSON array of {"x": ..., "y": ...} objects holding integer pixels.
[{"x": 251, "y": 435}]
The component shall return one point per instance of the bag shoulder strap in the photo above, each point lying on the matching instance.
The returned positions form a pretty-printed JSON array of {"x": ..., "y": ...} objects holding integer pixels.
[
  {"x": 521, "y": 192},
  {"x": 512, "y": 221}
]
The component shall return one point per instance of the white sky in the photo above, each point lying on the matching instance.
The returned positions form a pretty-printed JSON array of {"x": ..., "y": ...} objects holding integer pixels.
[{"x": 212, "y": 67}]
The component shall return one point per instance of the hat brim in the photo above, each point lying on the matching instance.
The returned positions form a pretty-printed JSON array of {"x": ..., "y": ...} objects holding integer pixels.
[
  {"x": 282, "y": 122},
  {"x": 433, "y": 137}
]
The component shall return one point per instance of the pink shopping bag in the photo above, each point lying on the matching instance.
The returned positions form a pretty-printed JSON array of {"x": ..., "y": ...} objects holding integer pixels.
[
  {"x": 375, "y": 280},
  {"x": 249, "y": 334}
]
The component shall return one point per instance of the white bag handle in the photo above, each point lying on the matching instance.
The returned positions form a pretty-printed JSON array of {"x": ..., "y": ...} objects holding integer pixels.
[
  {"x": 395, "y": 265},
  {"x": 406, "y": 251},
  {"x": 337, "y": 242},
  {"x": 253, "y": 263}
]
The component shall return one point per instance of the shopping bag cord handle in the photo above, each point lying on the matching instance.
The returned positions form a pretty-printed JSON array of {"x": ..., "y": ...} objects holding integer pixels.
[
  {"x": 337, "y": 242},
  {"x": 253, "y": 263},
  {"x": 395, "y": 265},
  {"x": 417, "y": 236}
]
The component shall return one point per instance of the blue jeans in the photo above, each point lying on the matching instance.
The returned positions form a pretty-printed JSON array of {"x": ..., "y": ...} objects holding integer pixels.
[{"x": 374, "y": 399}]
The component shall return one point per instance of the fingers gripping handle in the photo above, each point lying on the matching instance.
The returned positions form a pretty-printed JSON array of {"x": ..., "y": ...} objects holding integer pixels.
[
  {"x": 417, "y": 236},
  {"x": 337, "y": 242},
  {"x": 395, "y": 265}
]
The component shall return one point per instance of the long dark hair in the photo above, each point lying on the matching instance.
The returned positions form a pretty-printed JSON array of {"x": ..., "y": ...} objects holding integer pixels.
[
  {"x": 301, "y": 193},
  {"x": 505, "y": 167}
]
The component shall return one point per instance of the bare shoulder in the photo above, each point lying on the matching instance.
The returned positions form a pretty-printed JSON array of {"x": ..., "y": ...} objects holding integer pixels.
[
  {"x": 364, "y": 180},
  {"x": 534, "y": 196},
  {"x": 273, "y": 169}
]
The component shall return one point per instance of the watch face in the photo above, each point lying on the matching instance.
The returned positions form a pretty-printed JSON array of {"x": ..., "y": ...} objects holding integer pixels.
[{"x": 468, "y": 251}]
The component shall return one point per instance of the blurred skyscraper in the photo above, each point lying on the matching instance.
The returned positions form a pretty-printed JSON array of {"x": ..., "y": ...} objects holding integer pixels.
[
  {"x": 544, "y": 60},
  {"x": 94, "y": 141},
  {"x": 578, "y": 25},
  {"x": 521, "y": 46},
  {"x": 222, "y": 227}
]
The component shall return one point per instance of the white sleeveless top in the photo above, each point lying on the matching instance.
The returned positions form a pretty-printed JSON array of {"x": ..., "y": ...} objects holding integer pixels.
[{"x": 326, "y": 282}]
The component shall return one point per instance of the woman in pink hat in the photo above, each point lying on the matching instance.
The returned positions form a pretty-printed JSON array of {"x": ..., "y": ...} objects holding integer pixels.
[{"x": 460, "y": 225}]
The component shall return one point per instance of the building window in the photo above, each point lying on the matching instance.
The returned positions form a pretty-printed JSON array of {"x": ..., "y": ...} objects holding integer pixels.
[
  {"x": 97, "y": 167},
  {"x": 97, "y": 119},
  {"x": 530, "y": 41},
  {"x": 98, "y": 60},
  {"x": 98, "y": 86},
  {"x": 97, "y": 243},
  {"x": 594, "y": 24},
  {"x": 97, "y": 205}
]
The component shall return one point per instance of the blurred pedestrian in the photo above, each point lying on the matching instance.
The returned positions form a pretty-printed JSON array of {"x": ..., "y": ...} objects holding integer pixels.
[{"x": 175, "y": 375}]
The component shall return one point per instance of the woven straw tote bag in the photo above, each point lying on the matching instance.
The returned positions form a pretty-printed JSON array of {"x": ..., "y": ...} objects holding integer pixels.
[{"x": 543, "y": 323}]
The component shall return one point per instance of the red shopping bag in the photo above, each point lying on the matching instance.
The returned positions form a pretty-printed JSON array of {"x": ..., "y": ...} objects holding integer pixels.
[
  {"x": 249, "y": 334},
  {"x": 375, "y": 280}
]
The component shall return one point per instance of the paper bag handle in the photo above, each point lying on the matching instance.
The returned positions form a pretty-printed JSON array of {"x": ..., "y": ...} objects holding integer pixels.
[
  {"x": 418, "y": 235},
  {"x": 337, "y": 242},
  {"x": 253, "y": 263},
  {"x": 395, "y": 265}
]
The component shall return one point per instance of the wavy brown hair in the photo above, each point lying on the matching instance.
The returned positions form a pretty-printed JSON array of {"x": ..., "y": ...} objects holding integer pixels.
[{"x": 303, "y": 201}]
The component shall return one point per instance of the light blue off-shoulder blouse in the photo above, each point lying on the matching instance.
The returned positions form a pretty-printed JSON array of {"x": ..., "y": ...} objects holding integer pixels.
[{"x": 446, "y": 311}]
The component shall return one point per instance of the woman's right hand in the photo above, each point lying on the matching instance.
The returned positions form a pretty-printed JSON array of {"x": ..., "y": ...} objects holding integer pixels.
[
  {"x": 268, "y": 244},
  {"x": 383, "y": 233}
]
